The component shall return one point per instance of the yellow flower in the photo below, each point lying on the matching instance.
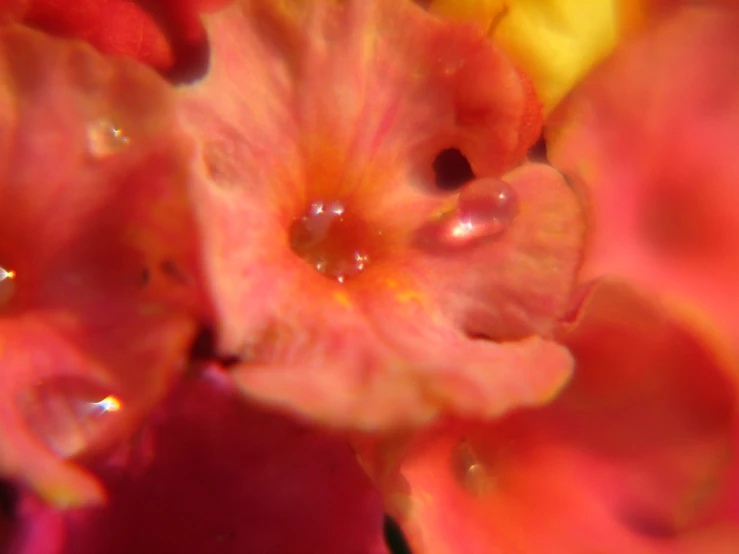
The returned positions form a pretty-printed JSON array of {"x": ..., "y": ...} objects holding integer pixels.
[{"x": 555, "y": 41}]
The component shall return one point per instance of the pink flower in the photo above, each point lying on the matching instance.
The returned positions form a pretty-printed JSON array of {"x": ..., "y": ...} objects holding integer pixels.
[
  {"x": 343, "y": 204},
  {"x": 302, "y": 201},
  {"x": 353, "y": 288},
  {"x": 639, "y": 452}
]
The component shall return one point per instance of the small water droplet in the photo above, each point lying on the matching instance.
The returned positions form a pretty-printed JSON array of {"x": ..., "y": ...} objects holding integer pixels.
[
  {"x": 7, "y": 285},
  {"x": 105, "y": 138},
  {"x": 69, "y": 413},
  {"x": 470, "y": 471},
  {"x": 332, "y": 240},
  {"x": 450, "y": 65}
]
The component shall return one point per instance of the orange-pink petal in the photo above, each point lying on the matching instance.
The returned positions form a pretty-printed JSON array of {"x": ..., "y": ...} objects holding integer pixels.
[
  {"x": 649, "y": 141},
  {"x": 340, "y": 113},
  {"x": 632, "y": 457}
]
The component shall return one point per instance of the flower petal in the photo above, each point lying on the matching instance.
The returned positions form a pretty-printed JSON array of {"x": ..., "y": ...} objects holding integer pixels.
[
  {"x": 632, "y": 455},
  {"x": 352, "y": 103},
  {"x": 517, "y": 283},
  {"x": 161, "y": 33},
  {"x": 215, "y": 475},
  {"x": 650, "y": 141},
  {"x": 98, "y": 233},
  {"x": 405, "y": 373},
  {"x": 555, "y": 41}
]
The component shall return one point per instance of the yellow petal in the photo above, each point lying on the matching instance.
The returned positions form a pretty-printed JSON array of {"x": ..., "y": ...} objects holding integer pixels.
[
  {"x": 555, "y": 41},
  {"x": 482, "y": 12}
]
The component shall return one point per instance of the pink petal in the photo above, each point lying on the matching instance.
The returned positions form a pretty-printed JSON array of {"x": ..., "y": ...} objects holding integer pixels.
[
  {"x": 650, "y": 139},
  {"x": 520, "y": 283},
  {"x": 348, "y": 105},
  {"x": 95, "y": 219}
]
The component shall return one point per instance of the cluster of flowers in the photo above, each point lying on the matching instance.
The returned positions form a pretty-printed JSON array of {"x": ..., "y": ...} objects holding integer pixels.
[{"x": 271, "y": 269}]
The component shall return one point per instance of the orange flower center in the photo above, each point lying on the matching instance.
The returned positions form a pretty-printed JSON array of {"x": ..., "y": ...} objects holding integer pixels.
[{"x": 334, "y": 240}]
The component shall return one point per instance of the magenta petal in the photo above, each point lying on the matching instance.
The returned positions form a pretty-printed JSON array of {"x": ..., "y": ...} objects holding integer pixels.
[{"x": 215, "y": 475}]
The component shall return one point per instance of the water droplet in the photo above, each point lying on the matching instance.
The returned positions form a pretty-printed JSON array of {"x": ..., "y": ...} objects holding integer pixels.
[
  {"x": 105, "y": 138},
  {"x": 485, "y": 210},
  {"x": 69, "y": 413},
  {"x": 450, "y": 65},
  {"x": 332, "y": 240},
  {"x": 7, "y": 285},
  {"x": 470, "y": 471}
]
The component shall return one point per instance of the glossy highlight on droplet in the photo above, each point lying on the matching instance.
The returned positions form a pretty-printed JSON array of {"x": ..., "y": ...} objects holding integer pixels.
[
  {"x": 486, "y": 209},
  {"x": 332, "y": 240},
  {"x": 470, "y": 471},
  {"x": 7, "y": 285},
  {"x": 69, "y": 413},
  {"x": 105, "y": 138}
]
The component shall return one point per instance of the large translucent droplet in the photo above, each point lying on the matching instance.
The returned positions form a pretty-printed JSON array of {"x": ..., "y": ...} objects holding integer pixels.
[
  {"x": 105, "y": 138},
  {"x": 470, "y": 471},
  {"x": 486, "y": 208},
  {"x": 332, "y": 240},
  {"x": 69, "y": 413}
]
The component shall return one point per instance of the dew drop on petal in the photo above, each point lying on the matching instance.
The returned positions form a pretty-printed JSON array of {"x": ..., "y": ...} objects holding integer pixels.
[
  {"x": 69, "y": 413},
  {"x": 7, "y": 285},
  {"x": 470, "y": 471},
  {"x": 332, "y": 240},
  {"x": 485, "y": 210},
  {"x": 105, "y": 138}
]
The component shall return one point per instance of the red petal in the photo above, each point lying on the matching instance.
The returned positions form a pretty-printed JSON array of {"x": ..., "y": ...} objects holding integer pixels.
[
  {"x": 160, "y": 33},
  {"x": 94, "y": 213}
]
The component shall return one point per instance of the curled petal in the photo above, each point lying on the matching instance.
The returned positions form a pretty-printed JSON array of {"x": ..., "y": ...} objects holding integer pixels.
[
  {"x": 521, "y": 282},
  {"x": 634, "y": 454},
  {"x": 406, "y": 373},
  {"x": 555, "y": 41}
]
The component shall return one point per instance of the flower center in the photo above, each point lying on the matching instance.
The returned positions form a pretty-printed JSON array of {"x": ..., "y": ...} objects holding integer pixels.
[{"x": 332, "y": 240}]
